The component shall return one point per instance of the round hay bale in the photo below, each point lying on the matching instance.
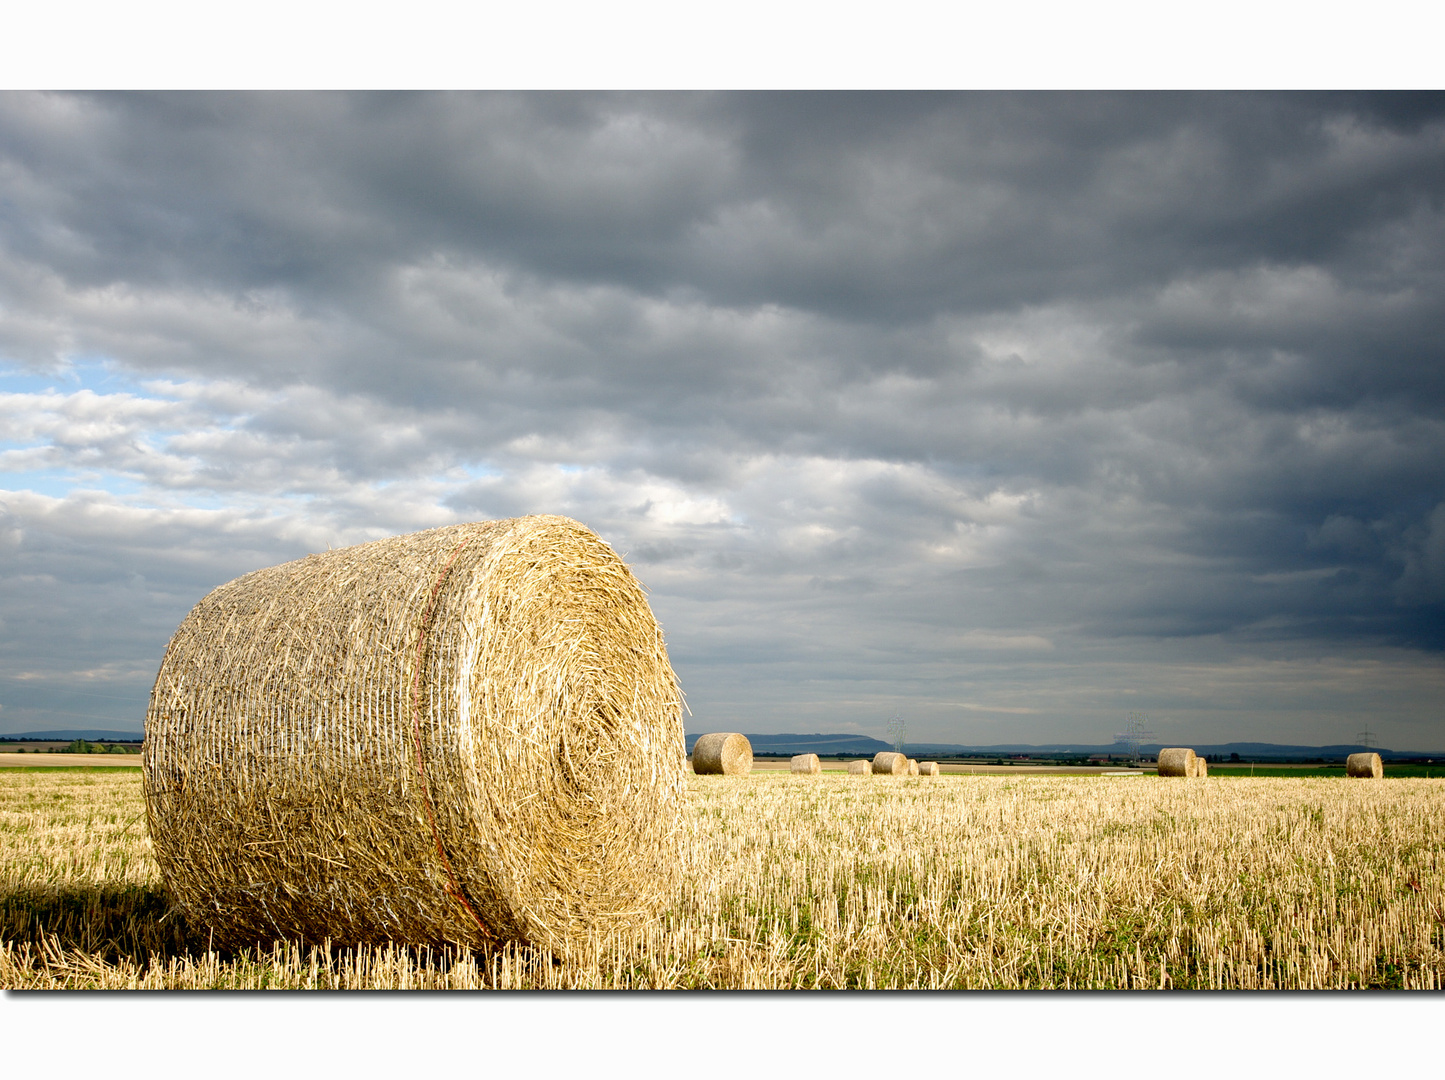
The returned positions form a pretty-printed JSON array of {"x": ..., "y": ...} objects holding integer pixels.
[
  {"x": 1367, "y": 766},
  {"x": 888, "y": 763},
  {"x": 1201, "y": 767},
  {"x": 1176, "y": 761},
  {"x": 470, "y": 735},
  {"x": 722, "y": 753},
  {"x": 805, "y": 764},
  {"x": 928, "y": 768},
  {"x": 860, "y": 768},
  {"x": 912, "y": 767}
]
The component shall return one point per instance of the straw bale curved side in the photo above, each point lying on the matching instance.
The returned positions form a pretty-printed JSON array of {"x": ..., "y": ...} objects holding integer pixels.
[
  {"x": 1176, "y": 761},
  {"x": 860, "y": 768},
  {"x": 928, "y": 768},
  {"x": 887, "y": 763},
  {"x": 470, "y": 734},
  {"x": 805, "y": 764},
  {"x": 722, "y": 753},
  {"x": 1366, "y": 766}
]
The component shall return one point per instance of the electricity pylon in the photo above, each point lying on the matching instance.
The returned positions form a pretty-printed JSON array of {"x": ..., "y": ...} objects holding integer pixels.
[
  {"x": 897, "y": 732},
  {"x": 1135, "y": 734}
]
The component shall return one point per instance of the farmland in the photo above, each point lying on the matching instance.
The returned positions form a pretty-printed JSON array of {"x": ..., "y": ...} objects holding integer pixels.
[{"x": 962, "y": 881}]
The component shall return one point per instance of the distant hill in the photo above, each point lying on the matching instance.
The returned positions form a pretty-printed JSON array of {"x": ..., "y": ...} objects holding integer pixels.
[
  {"x": 863, "y": 746},
  {"x": 71, "y": 734},
  {"x": 1248, "y": 751}
]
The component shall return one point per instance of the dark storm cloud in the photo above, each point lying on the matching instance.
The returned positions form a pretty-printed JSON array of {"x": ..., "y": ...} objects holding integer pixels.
[
  {"x": 842, "y": 203},
  {"x": 915, "y": 393}
]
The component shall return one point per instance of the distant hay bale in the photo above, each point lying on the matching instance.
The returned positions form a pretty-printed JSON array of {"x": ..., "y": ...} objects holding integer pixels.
[
  {"x": 807, "y": 764},
  {"x": 468, "y": 735},
  {"x": 1201, "y": 767},
  {"x": 888, "y": 763},
  {"x": 1367, "y": 766},
  {"x": 1176, "y": 761},
  {"x": 928, "y": 768},
  {"x": 722, "y": 753},
  {"x": 860, "y": 768},
  {"x": 912, "y": 767}
]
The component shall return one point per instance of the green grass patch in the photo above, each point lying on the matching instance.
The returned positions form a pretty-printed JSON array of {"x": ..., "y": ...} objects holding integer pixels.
[
  {"x": 1432, "y": 772},
  {"x": 82, "y": 768}
]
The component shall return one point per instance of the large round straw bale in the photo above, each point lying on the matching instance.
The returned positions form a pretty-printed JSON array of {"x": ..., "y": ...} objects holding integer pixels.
[
  {"x": 860, "y": 768},
  {"x": 468, "y": 735},
  {"x": 890, "y": 764},
  {"x": 807, "y": 764},
  {"x": 722, "y": 753},
  {"x": 1176, "y": 761},
  {"x": 1201, "y": 767},
  {"x": 912, "y": 767},
  {"x": 928, "y": 768},
  {"x": 1368, "y": 766}
]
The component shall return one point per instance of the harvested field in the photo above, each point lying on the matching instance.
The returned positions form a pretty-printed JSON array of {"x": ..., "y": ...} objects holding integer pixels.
[{"x": 957, "y": 881}]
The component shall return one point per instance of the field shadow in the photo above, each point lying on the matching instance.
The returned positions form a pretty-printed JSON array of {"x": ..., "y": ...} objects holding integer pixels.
[
  {"x": 132, "y": 924},
  {"x": 113, "y": 923}
]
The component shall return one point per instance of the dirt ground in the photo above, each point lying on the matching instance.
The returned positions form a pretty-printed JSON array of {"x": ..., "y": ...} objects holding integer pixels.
[
  {"x": 53, "y": 746},
  {"x": 12, "y": 760}
]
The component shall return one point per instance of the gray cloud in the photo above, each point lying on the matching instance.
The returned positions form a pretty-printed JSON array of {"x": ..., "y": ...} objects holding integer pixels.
[{"x": 942, "y": 403}]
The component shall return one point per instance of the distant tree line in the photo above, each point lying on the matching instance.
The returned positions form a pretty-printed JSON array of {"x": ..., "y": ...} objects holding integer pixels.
[{"x": 80, "y": 746}]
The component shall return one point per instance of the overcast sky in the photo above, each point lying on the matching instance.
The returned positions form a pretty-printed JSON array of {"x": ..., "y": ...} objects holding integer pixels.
[{"x": 1007, "y": 414}]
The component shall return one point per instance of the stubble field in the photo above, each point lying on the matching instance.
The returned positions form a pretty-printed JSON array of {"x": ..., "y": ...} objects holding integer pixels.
[{"x": 989, "y": 882}]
